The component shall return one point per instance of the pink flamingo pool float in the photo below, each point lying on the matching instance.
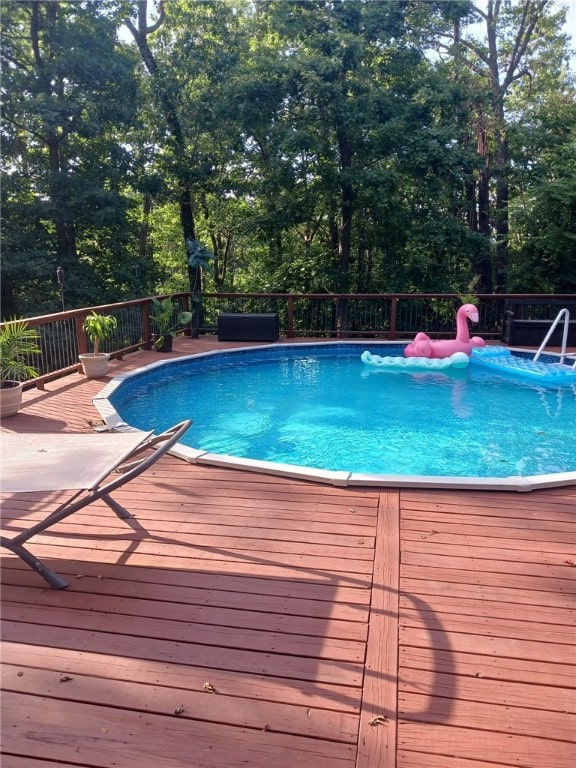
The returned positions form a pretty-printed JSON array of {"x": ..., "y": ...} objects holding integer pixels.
[{"x": 424, "y": 346}]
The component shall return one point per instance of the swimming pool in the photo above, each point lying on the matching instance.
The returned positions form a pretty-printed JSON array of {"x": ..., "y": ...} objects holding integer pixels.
[{"x": 315, "y": 411}]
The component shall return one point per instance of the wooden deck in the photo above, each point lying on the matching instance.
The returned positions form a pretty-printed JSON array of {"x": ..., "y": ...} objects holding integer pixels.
[{"x": 241, "y": 619}]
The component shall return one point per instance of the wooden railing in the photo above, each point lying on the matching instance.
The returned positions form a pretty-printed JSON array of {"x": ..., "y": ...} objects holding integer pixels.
[
  {"x": 62, "y": 338},
  {"x": 381, "y": 316}
]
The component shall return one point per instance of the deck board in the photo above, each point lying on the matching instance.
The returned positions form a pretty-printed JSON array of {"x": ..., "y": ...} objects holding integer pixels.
[
  {"x": 74, "y": 730},
  {"x": 246, "y": 619},
  {"x": 487, "y": 633},
  {"x": 378, "y": 727}
]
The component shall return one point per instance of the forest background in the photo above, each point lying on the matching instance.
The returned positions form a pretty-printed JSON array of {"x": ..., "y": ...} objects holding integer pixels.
[{"x": 352, "y": 146}]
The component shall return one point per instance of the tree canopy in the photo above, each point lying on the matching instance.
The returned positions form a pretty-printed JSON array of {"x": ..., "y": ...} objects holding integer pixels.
[{"x": 310, "y": 146}]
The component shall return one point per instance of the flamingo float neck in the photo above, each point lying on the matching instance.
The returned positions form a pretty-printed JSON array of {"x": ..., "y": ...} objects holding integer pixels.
[{"x": 462, "y": 331}]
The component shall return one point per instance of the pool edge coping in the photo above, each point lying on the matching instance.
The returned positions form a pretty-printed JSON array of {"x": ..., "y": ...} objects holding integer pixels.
[{"x": 516, "y": 483}]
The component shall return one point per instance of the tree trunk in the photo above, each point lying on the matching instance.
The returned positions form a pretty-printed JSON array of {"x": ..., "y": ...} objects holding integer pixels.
[
  {"x": 144, "y": 227},
  {"x": 346, "y": 205},
  {"x": 188, "y": 231},
  {"x": 500, "y": 69},
  {"x": 140, "y": 35},
  {"x": 502, "y": 219},
  {"x": 471, "y": 203},
  {"x": 65, "y": 232},
  {"x": 483, "y": 266},
  {"x": 532, "y": 11},
  {"x": 333, "y": 230},
  {"x": 345, "y": 240}
]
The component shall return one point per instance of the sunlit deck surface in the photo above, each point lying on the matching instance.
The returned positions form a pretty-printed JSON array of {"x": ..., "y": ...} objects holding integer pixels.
[{"x": 241, "y": 619}]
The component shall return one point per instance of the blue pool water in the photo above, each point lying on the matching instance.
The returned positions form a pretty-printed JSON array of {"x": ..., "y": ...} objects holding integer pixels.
[{"x": 319, "y": 406}]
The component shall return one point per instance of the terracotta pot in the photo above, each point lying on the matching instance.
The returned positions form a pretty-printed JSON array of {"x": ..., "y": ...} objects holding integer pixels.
[
  {"x": 10, "y": 398},
  {"x": 94, "y": 366}
]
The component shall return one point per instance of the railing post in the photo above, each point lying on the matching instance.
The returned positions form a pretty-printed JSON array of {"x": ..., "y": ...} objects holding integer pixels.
[
  {"x": 290, "y": 328},
  {"x": 80, "y": 334},
  {"x": 393, "y": 308},
  {"x": 145, "y": 317}
]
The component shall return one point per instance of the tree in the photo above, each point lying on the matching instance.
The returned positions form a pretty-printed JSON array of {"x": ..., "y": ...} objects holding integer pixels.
[
  {"x": 356, "y": 120},
  {"x": 141, "y": 31},
  {"x": 338, "y": 146},
  {"x": 186, "y": 68},
  {"x": 543, "y": 199},
  {"x": 64, "y": 202},
  {"x": 516, "y": 34}
]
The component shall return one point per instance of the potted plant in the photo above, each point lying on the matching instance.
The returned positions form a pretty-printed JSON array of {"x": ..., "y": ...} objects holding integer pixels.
[
  {"x": 17, "y": 343},
  {"x": 163, "y": 325},
  {"x": 97, "y": 327},
  {"x": 199, "y": 259}
]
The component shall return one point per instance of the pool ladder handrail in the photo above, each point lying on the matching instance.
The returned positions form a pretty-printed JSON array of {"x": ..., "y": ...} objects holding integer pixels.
[{"x": 564, "y": 313}]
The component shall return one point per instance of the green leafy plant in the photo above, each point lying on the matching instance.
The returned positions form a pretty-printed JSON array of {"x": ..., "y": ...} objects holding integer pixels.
[
  {"x": 162, "y": 319},
  {"x": 199, "y": 258},
  {"x": 99, "y": 327},
  {"x": 469, "y": 297},
  {"x": 17, "y": 343}
]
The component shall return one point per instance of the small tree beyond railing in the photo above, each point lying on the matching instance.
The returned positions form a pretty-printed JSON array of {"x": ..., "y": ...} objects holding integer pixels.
[{"x": 392, "y": 317}]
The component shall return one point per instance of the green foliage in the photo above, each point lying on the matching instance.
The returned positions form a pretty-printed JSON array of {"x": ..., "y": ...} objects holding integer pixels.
[
  {"x": 64, "y": 135},
  {"x": 99, "y": 327},
  {"x": 17, "y": 344},
  {"x": 199, "y": 258},
  {"x": 545, "y": 257},
  {"x": 314, "y": 146},
  {"x": 469, "y": 295},
  {"x": 543, "y": 208},
  {"x": 162, "y": 318}
]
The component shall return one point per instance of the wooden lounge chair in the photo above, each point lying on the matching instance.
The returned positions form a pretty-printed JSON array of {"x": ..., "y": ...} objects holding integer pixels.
[{"x": 75, "y": 462}]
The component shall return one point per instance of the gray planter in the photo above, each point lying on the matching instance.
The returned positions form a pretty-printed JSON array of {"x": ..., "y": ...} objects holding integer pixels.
[
  {"x": 10, "y": 398},
  {"x": 94, "y": 366}
]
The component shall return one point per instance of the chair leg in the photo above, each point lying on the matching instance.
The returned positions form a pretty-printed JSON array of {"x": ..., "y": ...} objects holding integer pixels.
[
  {"x": 122, "y": 513},
  {"x": 55, "y": 581}
]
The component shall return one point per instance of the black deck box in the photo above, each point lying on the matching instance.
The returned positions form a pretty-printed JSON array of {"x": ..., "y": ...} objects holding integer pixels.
[
  {"x": 533, "y": 332},
  {"x": 242, "y": 326}
]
